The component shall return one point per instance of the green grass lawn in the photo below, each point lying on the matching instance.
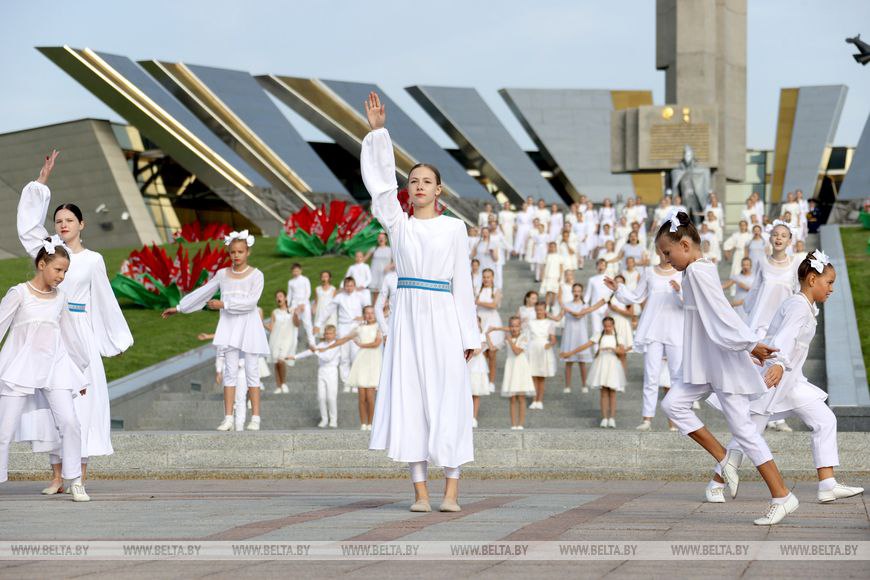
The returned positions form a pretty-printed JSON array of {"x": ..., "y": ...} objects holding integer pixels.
[
  {"x": 157, "y": 339},
  {"x": 858, "y": 261}
]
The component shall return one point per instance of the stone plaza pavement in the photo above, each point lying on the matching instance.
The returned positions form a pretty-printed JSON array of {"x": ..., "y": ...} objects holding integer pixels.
[{"x": 312, "y": 510}]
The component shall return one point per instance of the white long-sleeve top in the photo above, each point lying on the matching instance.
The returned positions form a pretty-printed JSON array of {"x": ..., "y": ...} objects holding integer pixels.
[
  {"x": 791, "y": 331},
  {"x": 596, "y": 290},
  {"x": 662, "y": 317},
  {"x": 329, "y": 358},
  {"x": 385, "y": 297},
  {"x": 772, "y": 285},
  {"x": 239, "y": 325},
  {"x": 716, "y": 342},
  {"x": 431, "y": 249},
  {"x": 41, "y": 351},
  {"x": 348, "y": 307},
  {"x": 86, "y": 281},
  {"x": 298, "y": 291},
  {"x": 361, "y": 273}
]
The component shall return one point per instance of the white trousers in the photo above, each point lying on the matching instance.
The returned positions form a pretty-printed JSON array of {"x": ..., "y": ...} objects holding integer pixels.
[
  {"x": 595, "y": 320},
  {"x": 348, "y": 352},
  {"x": 652, "y": 367},
  {"x": 819, "y": 418},
  {"x": 420, "y": 471},
  {"x": 61, "y": 404},
  {"x": 327, "y": 394},
  {"x": 306, "y": 322},
  {"x": 677, "y": 405},
  {"x": 231, "y": 368}
]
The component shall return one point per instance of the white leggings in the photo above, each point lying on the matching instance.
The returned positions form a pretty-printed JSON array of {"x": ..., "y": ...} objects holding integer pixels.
[
  {"x": 61, "y": 404},
  {"x": 652, "y": 366},
  {"x": 818, "y": 417},
  {"x": 677, "y": 405},
  {"x": 231, "y": 368},
  {"x": 420, "y": 471}
]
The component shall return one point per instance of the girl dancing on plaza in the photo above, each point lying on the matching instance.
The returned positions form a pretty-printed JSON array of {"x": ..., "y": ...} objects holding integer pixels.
[{"x": 423, "y": 409}]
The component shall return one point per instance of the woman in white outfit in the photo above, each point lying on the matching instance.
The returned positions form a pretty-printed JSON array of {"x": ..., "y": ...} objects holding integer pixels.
[{"x": 423, "y": 410}]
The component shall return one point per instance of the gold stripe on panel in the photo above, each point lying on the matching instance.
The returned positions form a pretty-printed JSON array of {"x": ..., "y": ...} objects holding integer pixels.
[
  {"x": 784, "y": 126},
  {"x": 646, "y": 185}
]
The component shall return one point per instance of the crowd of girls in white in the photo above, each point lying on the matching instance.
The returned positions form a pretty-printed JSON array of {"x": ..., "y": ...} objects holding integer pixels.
[{"x": 421, "y": 327}]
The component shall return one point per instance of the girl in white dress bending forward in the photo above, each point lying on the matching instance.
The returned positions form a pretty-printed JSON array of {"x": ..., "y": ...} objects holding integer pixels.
[
  {"x": 240, "y": 328},
  {"x": 423, "y": 409},
  {"x": 97, "y": 318}
]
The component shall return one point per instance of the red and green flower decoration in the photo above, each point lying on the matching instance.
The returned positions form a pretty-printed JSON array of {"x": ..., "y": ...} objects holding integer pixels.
[
  {"x": 150, "y": 278},
  {"x": 196, "y": 232},
  {"x": 335, "y": 228}
]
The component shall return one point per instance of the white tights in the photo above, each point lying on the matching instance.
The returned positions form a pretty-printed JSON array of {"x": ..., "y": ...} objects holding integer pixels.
[{"x": 420, "y": 471}]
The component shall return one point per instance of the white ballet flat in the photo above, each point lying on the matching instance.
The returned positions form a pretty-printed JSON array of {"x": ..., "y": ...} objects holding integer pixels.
[
  {"x": 53, "y": 489},
  {"x": 839, "y": 491}
]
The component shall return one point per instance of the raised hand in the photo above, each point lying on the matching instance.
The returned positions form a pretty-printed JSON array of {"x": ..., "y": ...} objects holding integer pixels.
[
  {"x": 610, "y": 283},
  {"x": 47, "y": 166},
  {"x": 375, "y": 111}
]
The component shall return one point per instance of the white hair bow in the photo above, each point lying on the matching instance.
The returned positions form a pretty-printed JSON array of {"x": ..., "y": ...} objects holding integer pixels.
[
  {"x": 672, "y": 218},
  {"x": 779, "y": 223},
  {"x": 242, "y": 235},
  {"x": 819, "y": 260},
  {"x": 48, "y": 246}
]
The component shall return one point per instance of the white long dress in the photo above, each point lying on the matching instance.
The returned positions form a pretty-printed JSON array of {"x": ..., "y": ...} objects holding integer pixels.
[
  {"x": 771, "y": 287},
  {"x": 489, "y": 317},
  {"x": 239, "y": 325},
  {"x": 283, "y": 337},
  {"x": 99, "y": 326},
  {"x": 324, "y": 299},
  {"x": 506, "y": 221},
  {"x": 366, "y": 368},
  {"x": 381, "y": 258},
  {"x": 576, "y": 332},
  {"x": 607, "y": 370},
  {"x": 423, "y": 410},
  {"x": 542, "y": 360}
]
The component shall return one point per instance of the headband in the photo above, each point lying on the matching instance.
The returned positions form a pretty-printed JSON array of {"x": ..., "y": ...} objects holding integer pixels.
[{"x": 242, "y": 235}]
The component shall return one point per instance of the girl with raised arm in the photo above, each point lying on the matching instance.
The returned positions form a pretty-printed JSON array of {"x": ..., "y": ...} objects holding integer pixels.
[
  {"x": 423, "y": 409},
  {"x": 97, "y": 319}
]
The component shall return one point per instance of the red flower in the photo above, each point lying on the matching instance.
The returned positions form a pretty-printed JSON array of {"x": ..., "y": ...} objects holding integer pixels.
[{"x": 196, "y": 233}]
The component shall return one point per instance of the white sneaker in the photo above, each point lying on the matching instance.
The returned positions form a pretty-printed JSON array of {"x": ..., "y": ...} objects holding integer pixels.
[
  {"x": 369, "y": 427},
  {"x": 603, "y": 423},
  {"x": 277, "y": 391},
  {"x": 285, "y": 388},
  {"x": 566, "y": 390},
  {"x": 77, "y": 490},
  {"x": 732, "y": 461},
  {"x": 333, "y": 425},
  {"x": 611, "y": 423},
  {"x": 584, "y": 390},
  {"x": 776, "y": 512},
  {"x": 696, "y": 405},
  {"x": 839, "y": 491},
  {"x": 253, "y": 424},
  {"x": 513, "y": 427},
  {"x": 534, "y": 405},
  {"x": 226, "y": 424},
  {"x": 473, "y": 423},
  {"x": 714, "y": 494},
  {"x": 323, "y": 423},
  {"x": 644, "y": 426},
  {"x": 362, "y": 427},
  {"x": 781, "y": 425},
  {"x": 520, "y": 428}
]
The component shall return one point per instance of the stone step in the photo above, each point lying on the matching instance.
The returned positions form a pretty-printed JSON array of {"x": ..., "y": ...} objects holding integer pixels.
[{"x": 560, "y": 453}]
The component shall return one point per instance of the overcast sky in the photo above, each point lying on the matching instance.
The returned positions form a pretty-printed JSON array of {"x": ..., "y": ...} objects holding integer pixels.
[{"x": 483, "y": 44}]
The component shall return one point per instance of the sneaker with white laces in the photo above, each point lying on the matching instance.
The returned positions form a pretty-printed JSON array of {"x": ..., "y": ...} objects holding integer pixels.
[
  {"x": 520, "y": 428},
  {"x": 611, "y": 423},
  {"x": 584, "y": 390},
  {"x": 730, "y": 464},
  {"x": 714, "y": 494},
  {"x": 566, "y": 390},
  {"x": 226, "y": 424},
  {"x": 776, "y": 512},
  {"x": 473, "y": 423},
  {"x": 839, "y": 491},
  {"x": 603, "y": 423},
  {"x": 253, "y": 424},
  {"x": 513, "y": 427},
  {"x": 362, "y": 427},
  {"x": 333, "y": 425},
  {"x": 533, "y": 405},
  {"x": 644, "y": 426},
  {"x": 277, "y": 391},
  {"x": 369, "y": 427},
  {"x": 285, "y": 388},
  {"x": 77, "y": 490},
  {"x": 323, "y": 423}
]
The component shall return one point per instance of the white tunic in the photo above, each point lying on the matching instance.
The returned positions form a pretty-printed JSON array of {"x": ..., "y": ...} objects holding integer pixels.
[
  {"x": 239, "y": 325},
  {"x": 348, "y": 307},
  {"x": 324, "y": 299},
  {"x": 385, "y": 299},
  {"x": 101, "y": 328},
  {"x": 361, "y": 274},
  {"x": 772, "y": 285},
  {"x": 791, "y": 331},
  {"x": 506, "y": 221},
  {"x": 381, "y": 258},
  {"x": 662, "y": 317},
  {"x": 716, "y": 342},
  {"x": 423, "y": 410},
  {"x": 596, "y": 290},
  {"x": 298, "y": 291}
]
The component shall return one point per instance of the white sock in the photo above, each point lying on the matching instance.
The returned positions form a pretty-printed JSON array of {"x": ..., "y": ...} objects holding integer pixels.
[
  {"x": 827, "y": 484},
  {"x": 714, "y": 484},
  {"x": 255, "y": 417},
  {"x": 780, "y": 500}
]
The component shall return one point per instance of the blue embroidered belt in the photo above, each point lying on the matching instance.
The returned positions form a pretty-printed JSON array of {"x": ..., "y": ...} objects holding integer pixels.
[
  {"x": 76, "y": 307},
  {"x": 422, "y": 284}
]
